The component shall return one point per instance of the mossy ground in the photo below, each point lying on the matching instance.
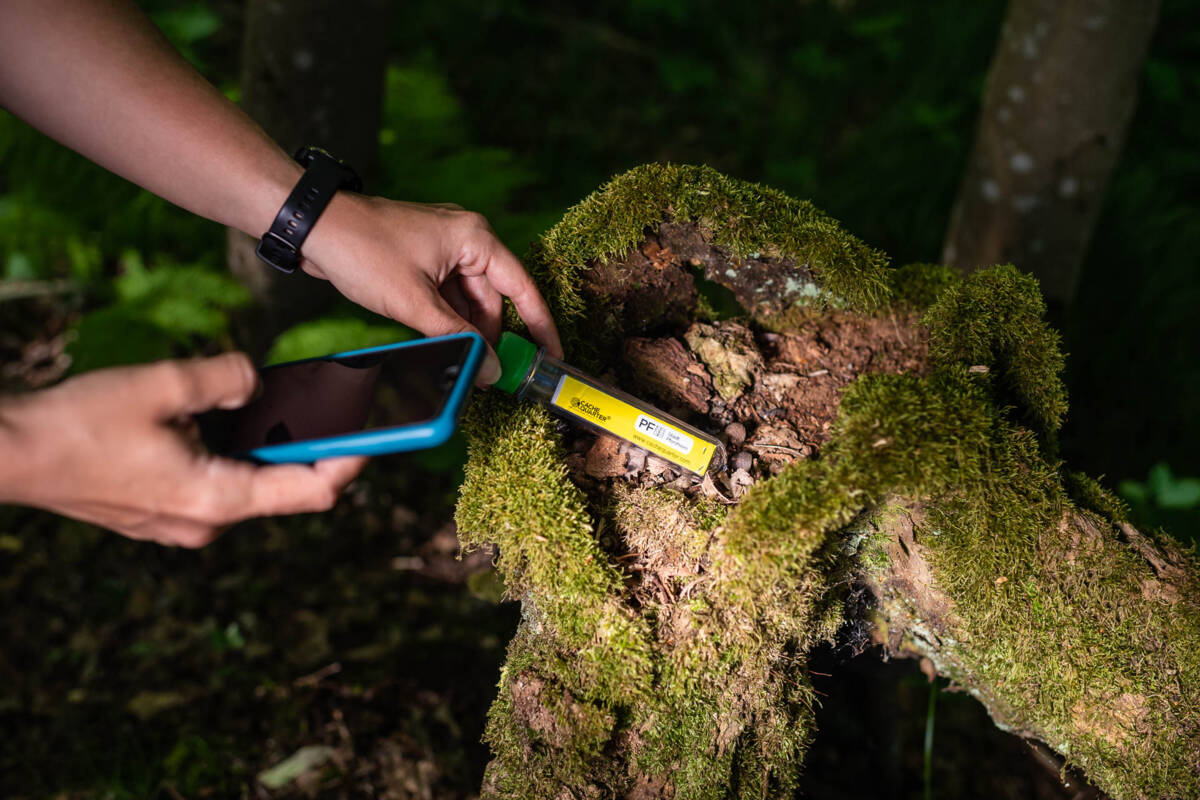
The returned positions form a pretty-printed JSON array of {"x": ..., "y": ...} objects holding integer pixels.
[{"x": 717, "y": 704}]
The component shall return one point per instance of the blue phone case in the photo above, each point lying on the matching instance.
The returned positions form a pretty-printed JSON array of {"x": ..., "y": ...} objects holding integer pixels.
[{"x": 378, "y": 441}]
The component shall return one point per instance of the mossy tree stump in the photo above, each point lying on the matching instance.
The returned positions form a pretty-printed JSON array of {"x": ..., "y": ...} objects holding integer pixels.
[{"x": 891, "y": 467}]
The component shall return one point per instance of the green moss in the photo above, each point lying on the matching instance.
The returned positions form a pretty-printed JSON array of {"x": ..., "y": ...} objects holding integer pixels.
[
  {"x": 743, "y": 217},
  {"x": 1060, "y": 634},
  {"x": 517, "y": 495},
  {"x": 994, "y": 319},
  {"x": 918, "y": 286},
  {"x": 1086, "y": 492},
  {"x": 564, "y": 746},
  {"x": 589, "y": 642},
  {"x": 1053, "y": 628}
]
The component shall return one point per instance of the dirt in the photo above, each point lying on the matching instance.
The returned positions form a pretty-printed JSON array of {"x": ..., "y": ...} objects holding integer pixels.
[
  {"x": 533, "y": 703},
  {"x": 772, "y": 398},
  {"x": 647, "y": 288},
  {"x": 764, "y": 281}
]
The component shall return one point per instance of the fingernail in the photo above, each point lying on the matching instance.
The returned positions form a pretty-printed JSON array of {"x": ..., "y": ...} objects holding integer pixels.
[{"x": 489, "y": 373}]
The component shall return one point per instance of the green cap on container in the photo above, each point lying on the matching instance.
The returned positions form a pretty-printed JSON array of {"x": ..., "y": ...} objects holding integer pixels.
[{"x": 516, "y": 355}]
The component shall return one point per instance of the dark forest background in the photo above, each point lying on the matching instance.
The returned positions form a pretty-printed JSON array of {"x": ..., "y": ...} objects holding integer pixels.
[{"x": 131, "y": 671}]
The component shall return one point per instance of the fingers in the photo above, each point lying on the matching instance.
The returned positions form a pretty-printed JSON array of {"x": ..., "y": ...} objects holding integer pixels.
[
  {"x": 436, "y": 318},
  {"x": 176, "y": 532},
  {"x": 175, "y": 388},
  {"x": 230, "y": 491},
  {"x": 487, "y": 305},
  {"x": 340, "y": 471},
  {"x": 452, "y": 293},
  {"x": 505, "y": 273}
]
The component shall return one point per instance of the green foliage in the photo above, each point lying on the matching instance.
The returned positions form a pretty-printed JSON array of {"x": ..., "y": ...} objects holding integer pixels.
[
  {"x": 426, "y": 155},
  {"x": 1133, "y": 375},
  {"x": 154, "y": 311},
  {"x": 849, "y": 105},
  {"x": 1163, "y": 489},
  {"x": 186, "y": 25},
  {"x": 333, "y": 334},
  {"x": 1164, "y": 500},
  {"x": 63, "y": 216}
]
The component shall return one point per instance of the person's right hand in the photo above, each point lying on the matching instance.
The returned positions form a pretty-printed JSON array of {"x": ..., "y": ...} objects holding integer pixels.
[
  {"x": 434, "y": 267},
  {"x": 119, "y": 448}
]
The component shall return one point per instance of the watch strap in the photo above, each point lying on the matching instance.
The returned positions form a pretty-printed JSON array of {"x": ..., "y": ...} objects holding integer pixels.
[{"x": 323, "y": 176}]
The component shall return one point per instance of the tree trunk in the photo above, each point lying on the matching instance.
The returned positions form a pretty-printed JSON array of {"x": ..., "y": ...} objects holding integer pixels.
[
  {"x": 889, "y": 474},
  {"x": 312, "y": 74},
  {"x": 1056, "y": 108}
]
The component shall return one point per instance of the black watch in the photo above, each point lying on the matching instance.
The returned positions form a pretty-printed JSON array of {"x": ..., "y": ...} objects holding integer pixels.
[{"x": 323, "y": 176}]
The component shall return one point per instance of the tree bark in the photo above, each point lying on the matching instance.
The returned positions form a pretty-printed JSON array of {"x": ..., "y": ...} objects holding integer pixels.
[
  {"x": 889, "y": 473},
  {"x": 1056, "y": 108},
  {"x": 312, "y": 74}
]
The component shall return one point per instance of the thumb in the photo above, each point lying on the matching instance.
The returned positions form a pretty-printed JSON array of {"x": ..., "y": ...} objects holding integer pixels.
[
  {"x": 437, "y": 318},
  {"x": 199, "y": 384}
]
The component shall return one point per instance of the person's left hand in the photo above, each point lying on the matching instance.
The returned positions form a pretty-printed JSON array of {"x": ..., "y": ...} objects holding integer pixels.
[{"x": 436, "y": 268}]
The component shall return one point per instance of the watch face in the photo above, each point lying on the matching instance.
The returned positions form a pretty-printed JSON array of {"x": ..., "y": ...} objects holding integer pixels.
[{"x": 305, "y": 156}]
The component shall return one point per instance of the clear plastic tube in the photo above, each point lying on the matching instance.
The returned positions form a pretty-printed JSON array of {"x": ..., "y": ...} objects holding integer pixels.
[{"x": 582, "y": 399}]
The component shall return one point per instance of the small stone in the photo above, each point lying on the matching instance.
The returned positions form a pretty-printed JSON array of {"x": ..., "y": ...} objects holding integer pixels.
[
  {"x": 743, "y": 461},
  {"x": 735, "y": 434},
  {"x": 741, "y": 478}
]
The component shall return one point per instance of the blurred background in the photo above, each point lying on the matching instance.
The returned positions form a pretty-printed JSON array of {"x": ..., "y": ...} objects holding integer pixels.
[{"x": 350, "y": 654}]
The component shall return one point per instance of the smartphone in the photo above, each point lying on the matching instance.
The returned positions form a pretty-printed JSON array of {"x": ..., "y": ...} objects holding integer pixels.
[{"x": 398, "y": 397}]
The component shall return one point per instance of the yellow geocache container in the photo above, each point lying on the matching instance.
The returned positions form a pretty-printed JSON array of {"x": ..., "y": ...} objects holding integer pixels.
[{"x": 530, "y": 374}]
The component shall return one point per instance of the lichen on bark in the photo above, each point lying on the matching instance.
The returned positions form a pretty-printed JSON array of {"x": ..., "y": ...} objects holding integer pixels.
[{"x": 666, "y": 619}]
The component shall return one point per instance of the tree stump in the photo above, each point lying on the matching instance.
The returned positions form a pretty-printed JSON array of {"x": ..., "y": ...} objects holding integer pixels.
[{"x": 889, "y": 474}]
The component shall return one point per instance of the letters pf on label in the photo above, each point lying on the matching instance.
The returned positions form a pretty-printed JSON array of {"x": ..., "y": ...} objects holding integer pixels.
[{"x": 651, "y": 427}]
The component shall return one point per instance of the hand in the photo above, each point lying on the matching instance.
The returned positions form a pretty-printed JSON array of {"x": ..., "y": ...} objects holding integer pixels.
[
  {"x": 436, "y": 268},
  {"x": 119, "y": 448}
]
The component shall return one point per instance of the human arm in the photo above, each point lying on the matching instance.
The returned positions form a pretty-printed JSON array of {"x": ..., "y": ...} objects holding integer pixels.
[{"x": 98, "y": 77}]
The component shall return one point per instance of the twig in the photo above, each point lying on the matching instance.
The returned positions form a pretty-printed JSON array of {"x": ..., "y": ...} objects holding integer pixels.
[
  {"x": 784, "y": 448},
  {"x": 23, "y": 290},
  {"x": 314, "y": 678}
]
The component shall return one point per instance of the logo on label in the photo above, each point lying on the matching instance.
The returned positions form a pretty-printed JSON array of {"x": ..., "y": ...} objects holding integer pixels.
[
  {"x": 660, "y": 432},
  {"x": 582, "y": 406}
]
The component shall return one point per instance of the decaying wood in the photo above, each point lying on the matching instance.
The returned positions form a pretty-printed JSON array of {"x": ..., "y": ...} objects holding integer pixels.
[{"x": 774, "y": 393}]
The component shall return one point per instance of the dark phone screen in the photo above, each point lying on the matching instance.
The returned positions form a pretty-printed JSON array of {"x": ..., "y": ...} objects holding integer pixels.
[{"x": 334, "y": 396}]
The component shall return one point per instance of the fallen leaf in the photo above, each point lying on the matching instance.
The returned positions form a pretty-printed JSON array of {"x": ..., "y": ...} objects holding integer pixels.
[
  {"x": 295, "y": 765},
  {"x": 145, "y": 705}
]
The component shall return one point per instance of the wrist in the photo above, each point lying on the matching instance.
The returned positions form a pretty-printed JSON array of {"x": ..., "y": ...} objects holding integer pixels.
[
  {"x": 260, "y": 200},
  {"x": 284, "y": 244},
  {"x": 332, "y": 232}
]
